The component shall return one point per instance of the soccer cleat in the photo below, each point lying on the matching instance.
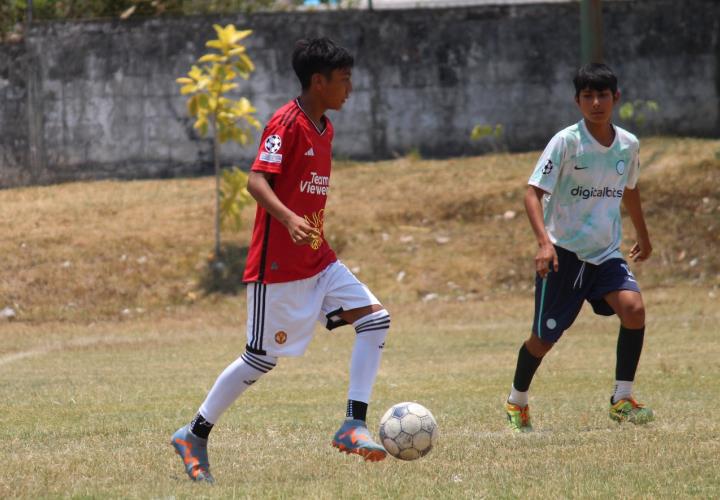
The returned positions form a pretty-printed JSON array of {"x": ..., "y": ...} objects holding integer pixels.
[
  {"x": 629, "y": 410},
  {"x": 193, "y": 451},
  {"x": 518, "y": 417},
  {"x": 353, "y": 437}
]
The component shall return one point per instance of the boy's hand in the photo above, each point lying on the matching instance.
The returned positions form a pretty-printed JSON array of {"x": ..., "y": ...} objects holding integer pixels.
[
  {"x": 546, "y": 256},
  {"x": 640, "y": 251},
  {"x": 300, "y": 231}
]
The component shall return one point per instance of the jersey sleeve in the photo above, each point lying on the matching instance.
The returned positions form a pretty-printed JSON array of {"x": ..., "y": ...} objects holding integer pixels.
[
  {"x": 275, "y": 150},
  {"x": 547, "y": 169},
  {"x": 634, "y": 172}
]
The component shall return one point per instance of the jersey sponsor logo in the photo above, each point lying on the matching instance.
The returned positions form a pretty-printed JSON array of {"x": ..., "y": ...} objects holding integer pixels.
[
  {"x": 317, "y": 221},
  {"x": 281, "y": 337},
  {"x": 620, "y": 167},
  {"x": 310, "y": 152},
  {"x": 593, "y": 192},
  {"x": 271, "y": 157},
  {"x": 548, "y": 167},
  {"x": 273, "y": 143},
  {"x": 318, "y": 184}
]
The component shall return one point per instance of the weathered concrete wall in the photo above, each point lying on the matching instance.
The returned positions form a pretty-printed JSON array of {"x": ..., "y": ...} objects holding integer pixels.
[{"x": 98, "y": 99}]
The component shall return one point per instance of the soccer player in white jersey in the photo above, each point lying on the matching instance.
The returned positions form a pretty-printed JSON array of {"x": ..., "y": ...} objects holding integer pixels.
[
  {"x": 573, "y": 203},
  {"x": 294, "y": 277}
]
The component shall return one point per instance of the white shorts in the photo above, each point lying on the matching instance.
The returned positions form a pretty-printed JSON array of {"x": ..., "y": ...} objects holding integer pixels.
[{"x": 281, "y": 316}]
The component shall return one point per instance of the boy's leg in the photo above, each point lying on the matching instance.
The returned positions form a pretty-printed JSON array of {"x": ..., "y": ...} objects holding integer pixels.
[
  {"x": 529, "y": 358},
  {"x": 620, "y": 295},
  {"x": 558, "y": 299},
  {"x": 629, "y": 307},
  {"x": 348, "y": 301},
  {"x": 190, "y": 441},
  {"x": 371, "y": 325},
  {"x": 272, "y": 310}
]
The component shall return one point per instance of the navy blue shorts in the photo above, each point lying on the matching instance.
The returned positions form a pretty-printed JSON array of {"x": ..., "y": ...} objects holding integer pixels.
[{"x": 560, "y": 296}]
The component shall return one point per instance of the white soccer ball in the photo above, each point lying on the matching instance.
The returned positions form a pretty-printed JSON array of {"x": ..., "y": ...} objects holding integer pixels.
[{"x": 408, "y": 431}]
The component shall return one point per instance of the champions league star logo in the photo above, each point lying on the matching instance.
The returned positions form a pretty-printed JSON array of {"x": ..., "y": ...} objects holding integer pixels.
[
  {"x": 548, "y": 167},
  {"x": 273, "y": 143}
]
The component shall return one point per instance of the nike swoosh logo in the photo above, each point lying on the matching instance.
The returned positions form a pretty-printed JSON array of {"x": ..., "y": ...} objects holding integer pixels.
[{"x": 580, "y": 168}]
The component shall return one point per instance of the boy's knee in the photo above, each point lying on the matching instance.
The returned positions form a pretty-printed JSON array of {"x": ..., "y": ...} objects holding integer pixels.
[
  {"x": 633, "y": 315},
  {"x": 537, "y": 346},
  {"x": 374, "y": 326},
  {"x": 261, "y": 362}
]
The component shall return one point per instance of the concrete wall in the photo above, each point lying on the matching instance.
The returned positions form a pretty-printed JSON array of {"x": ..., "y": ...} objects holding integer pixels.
[{"x": 98, "y": 99}]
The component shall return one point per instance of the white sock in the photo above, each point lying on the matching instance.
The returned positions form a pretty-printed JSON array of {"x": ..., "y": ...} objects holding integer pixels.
[
  {"x": 623, "y": 390},
  {"x": 233, "y": 381},
  {"x": 371, "y": 331},
  {"x": 518, "y": 398}
]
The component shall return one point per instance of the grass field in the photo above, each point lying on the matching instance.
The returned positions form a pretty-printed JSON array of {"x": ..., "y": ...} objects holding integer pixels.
[{"x": 120, "y": 333}]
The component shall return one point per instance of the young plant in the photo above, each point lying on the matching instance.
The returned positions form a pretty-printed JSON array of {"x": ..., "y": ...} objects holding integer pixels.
[{"x": 208, "y": 84}]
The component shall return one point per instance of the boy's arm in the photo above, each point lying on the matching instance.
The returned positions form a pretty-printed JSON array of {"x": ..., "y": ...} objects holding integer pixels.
[
  {"x": 546, "y": 251},
  {"x": 642, "y": 249},
  {"x": 300, "y": 231}
]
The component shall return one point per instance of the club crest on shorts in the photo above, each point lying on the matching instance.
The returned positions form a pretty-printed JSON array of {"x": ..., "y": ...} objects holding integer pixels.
[{"x": 281, "y": 337}]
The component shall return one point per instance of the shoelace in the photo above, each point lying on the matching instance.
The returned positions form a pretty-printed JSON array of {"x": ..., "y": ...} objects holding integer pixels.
[
  {"x": 634, "y": 403},
  {"x": 525, "y": 414}
]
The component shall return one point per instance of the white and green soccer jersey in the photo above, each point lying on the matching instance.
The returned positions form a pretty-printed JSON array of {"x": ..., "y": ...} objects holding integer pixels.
[{"x": 585, "y": 182}]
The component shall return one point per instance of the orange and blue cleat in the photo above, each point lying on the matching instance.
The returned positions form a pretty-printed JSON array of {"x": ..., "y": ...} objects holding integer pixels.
[
  {"x": 353, "y": 437},
  {"x": 193, "y": 451}
]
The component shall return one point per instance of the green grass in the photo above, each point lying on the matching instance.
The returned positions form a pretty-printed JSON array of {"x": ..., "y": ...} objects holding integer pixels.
[
  {"x": 90, "y": 409},
  {"x": 120, "y": 332}
]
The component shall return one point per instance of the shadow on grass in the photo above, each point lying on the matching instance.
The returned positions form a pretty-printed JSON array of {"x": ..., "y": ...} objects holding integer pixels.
[{"x": 224, "y": 273}]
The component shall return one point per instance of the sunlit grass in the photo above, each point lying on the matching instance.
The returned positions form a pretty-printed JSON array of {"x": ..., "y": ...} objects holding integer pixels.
[{"x": 119, "y": 336}]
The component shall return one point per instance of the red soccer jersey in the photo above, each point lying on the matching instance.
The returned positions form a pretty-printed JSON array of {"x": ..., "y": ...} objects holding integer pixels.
[{"x": 299, "y": 156}]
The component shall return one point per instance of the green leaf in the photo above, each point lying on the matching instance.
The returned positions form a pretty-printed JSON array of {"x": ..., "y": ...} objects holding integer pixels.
[
  {"x": 626, "y": 111},
  {"x": 193, "y": 105},
  {"x": 203, "y": 101}
]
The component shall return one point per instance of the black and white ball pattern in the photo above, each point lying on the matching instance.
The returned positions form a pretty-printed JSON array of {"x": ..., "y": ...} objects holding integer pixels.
[{"x": 408, "y": 431}]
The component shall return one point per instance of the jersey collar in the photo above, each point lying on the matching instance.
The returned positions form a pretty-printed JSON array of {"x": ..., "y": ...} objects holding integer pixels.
[{"x": 320, "y": 132}]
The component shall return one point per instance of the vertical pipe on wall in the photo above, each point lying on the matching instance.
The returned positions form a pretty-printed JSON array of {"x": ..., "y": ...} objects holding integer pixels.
[{"x": 591, "y": 39}]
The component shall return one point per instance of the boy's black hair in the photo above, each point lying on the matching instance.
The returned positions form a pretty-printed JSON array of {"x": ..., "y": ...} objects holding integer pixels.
[
  {"x": 595, "y": 76},
  {"x": 318, "y": 55}
]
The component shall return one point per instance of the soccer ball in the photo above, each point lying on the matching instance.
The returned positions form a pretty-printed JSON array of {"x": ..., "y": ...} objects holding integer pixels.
[{"x": 408, "y": 431}]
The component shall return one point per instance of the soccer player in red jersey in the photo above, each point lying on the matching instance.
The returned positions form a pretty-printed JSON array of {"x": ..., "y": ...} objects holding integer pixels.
[{"x": 294, "y": 278}]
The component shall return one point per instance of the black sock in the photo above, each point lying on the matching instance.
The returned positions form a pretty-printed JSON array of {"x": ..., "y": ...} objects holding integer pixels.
[
  {"x": 527, "y": 364},
  {"x": 356, "y": 410},
  {"x": 200, "y": 427},
  {"x": 629, "y": 347}
]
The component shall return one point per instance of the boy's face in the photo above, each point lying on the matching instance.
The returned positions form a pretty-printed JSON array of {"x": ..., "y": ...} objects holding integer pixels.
[
  {"x": 335, "y": 90},
  {"x": 597, "y": 106}
]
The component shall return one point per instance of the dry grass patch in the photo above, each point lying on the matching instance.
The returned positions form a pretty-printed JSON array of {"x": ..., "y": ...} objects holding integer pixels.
[{"x": 452, "y": 230}]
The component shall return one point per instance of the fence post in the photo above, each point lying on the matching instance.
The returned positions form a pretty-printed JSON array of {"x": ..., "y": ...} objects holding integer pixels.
[
  {"x": 28, "y": 15},
  {"x": 591, "y": 39}
]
